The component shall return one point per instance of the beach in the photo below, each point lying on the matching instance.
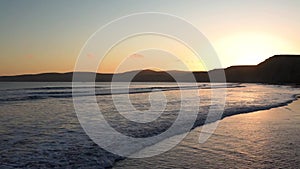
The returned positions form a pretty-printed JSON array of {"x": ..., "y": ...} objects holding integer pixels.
[
  {"x": 262, "y": 139},
  {"x": 40, "y": 127},
  {"x": 149, "y": 84}
]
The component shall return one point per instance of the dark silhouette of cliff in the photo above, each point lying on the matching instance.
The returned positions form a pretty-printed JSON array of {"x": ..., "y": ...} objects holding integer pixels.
[{"x": 279, "y": 69}]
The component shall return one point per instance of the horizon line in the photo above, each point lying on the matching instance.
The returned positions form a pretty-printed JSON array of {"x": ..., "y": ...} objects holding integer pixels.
[{"x": 145, "y": 69}]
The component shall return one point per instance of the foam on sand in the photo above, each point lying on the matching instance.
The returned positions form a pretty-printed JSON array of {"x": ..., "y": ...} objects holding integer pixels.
[{"x": 262, "y": 139}]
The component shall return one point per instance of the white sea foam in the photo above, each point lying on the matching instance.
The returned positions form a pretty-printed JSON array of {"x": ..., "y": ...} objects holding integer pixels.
[{"x": 39, "y": 127}]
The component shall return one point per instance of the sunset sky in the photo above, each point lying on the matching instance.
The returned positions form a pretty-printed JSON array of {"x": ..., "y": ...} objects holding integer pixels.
[{"x": 46, "y": 36}]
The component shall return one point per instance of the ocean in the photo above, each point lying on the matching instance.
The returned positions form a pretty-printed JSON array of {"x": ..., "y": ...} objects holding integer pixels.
[{"x": 40, "y": 128}]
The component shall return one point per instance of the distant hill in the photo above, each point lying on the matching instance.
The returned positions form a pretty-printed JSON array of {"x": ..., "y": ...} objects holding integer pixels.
[{"x": 278, "y": 69}]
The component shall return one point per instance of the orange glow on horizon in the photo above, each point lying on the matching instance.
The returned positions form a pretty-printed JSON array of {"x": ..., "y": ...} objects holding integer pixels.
[
  {"x": 150, "y": 52},
  {"x": 250, "y": 48}
]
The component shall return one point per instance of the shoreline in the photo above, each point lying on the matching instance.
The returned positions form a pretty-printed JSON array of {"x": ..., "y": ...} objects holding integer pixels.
[
  {"x": 295, "y": 98},
  {"x": 288, "y": 106},
  {"x": 239, "y": 105}
]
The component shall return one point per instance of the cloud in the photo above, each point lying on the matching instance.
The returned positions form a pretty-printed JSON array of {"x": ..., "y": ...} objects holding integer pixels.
[
  {"x": 137, "y": 56},
  {"x": 30, "y": 56},
  {"x": 90, "y": 56}
]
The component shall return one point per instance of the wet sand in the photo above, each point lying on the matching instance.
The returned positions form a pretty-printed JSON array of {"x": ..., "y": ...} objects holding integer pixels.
[{"x": 262, "y": 139}]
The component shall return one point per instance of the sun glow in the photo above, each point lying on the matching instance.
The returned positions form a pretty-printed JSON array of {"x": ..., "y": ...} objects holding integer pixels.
[
  {"x": 150, "y": 51},
  {"x": 249, "y": 48}
]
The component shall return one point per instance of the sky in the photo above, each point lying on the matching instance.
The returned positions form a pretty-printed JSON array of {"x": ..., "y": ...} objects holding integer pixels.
[{"x": 39, "y": 36}]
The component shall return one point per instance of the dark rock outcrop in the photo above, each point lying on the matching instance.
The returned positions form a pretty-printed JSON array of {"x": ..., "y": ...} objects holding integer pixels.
[{"x": 278, "y": 69}]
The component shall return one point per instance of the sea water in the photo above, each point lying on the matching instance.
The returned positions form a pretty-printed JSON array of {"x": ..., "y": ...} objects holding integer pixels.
[{"x": 39, "y": 127}]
